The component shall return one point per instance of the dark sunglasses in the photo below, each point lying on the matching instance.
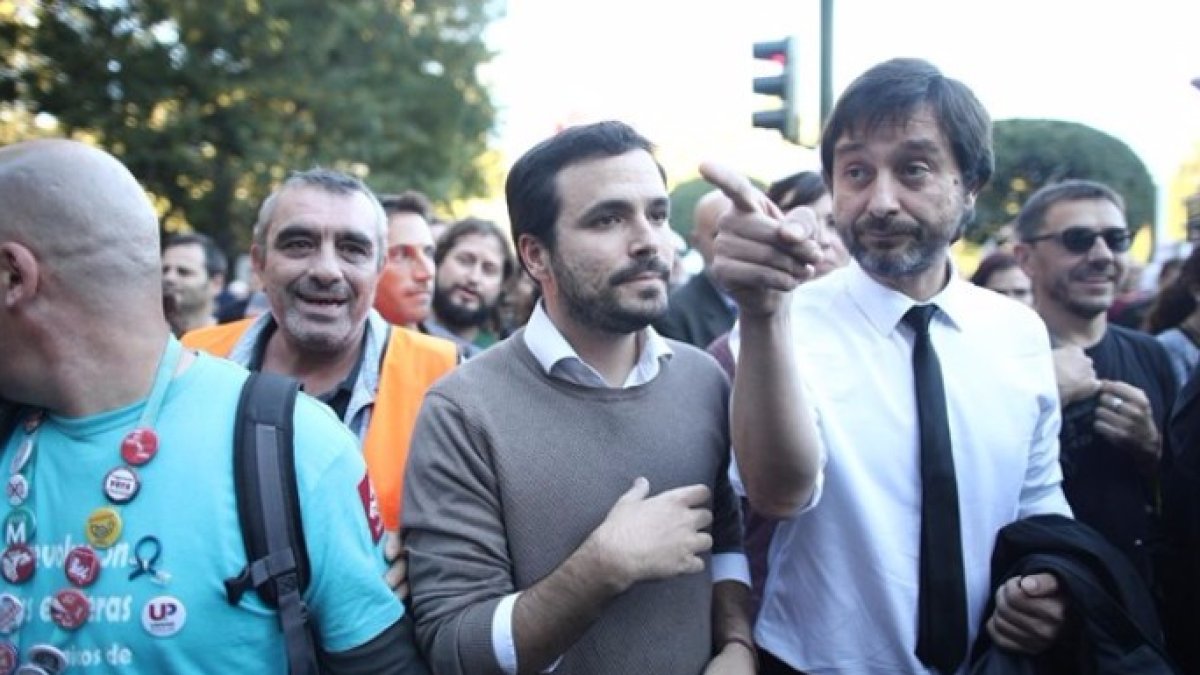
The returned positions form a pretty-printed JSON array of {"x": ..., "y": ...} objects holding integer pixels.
[{"x": 1080, "y": 239}]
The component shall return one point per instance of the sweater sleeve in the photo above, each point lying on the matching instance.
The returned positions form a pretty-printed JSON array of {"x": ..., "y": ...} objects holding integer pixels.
[{"x": 458, "y": 563}]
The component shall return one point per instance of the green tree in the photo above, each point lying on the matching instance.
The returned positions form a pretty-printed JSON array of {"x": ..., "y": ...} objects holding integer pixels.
[
  {"x": 1034, "y": 153},
  {"x": 211, "y": 102}
]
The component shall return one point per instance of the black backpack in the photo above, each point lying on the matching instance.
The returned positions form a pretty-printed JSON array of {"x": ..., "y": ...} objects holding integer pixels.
[{"x": 269, "y": 513}]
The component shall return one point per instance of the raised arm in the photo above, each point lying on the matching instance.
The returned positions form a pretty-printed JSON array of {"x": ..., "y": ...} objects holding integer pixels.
[{"x": 760, "y": 257}]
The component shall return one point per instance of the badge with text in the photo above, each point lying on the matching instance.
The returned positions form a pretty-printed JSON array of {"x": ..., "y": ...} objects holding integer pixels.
[
  {"x": 164, "y": 616},
  {"x": 121, "y": 485},
  {"x": 371, "y": 507},
  {"x": 19, "y": 526}
]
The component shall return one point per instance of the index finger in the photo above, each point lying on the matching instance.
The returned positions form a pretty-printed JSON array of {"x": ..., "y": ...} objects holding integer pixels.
[
  {"x": 738, "y": 189},
  {"x": 691, "y": 495}
]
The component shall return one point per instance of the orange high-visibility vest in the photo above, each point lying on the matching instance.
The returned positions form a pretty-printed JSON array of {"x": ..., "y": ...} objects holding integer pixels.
[{"x": 412, "y": 363}]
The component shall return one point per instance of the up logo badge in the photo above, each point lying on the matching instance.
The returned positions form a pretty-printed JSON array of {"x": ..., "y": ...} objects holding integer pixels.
[{"x": 164, "y": 616}]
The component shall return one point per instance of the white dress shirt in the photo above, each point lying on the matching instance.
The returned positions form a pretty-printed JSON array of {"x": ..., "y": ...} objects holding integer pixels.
[
  {"x": 841, "y": 595},
  {"x": 558, "y": 359}
]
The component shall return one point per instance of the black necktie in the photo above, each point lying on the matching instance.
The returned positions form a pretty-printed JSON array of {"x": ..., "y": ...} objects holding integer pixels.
[{"x": 942, "y": 608}]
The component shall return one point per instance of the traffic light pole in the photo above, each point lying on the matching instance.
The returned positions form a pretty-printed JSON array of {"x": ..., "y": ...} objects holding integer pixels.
[{"x": 826, "y": 59}]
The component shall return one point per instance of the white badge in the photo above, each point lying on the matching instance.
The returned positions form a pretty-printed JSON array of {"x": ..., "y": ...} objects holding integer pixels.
[{"x": 164, "y": 616}]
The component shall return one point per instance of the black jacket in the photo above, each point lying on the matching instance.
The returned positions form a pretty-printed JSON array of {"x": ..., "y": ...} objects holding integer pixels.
[
  {"x": 1115, "y": 627},
  {"x": 696, "y": 313}
]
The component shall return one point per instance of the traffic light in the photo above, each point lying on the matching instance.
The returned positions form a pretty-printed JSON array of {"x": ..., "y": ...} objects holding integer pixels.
[{"x": 786, "y": 119}]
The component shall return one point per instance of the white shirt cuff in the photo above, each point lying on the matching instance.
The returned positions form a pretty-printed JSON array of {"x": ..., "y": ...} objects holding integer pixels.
[
  {"x": 502, "y": 635},
  {"x": 503, "y": 643},
  {"x": 730, "y": 567}
]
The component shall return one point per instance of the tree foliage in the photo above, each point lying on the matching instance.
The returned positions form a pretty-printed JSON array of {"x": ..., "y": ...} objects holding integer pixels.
[
  {"x": 210, "y": 103},
  {"x": 1034, "y": 153}
]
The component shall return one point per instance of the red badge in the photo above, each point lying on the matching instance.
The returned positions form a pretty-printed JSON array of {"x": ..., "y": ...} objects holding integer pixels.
[
  {"x": 82, "y": 566},
  {"x": 18, "y": 563},
  {"x": 139, "y": 446},
  {"x": 371, "y": 507},
  {"x": 69, "y": 608},
  {"x": 8, "y": 658}
]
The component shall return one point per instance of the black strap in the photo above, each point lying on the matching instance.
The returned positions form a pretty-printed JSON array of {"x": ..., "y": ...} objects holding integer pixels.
[{"x": 269, "y": 513}]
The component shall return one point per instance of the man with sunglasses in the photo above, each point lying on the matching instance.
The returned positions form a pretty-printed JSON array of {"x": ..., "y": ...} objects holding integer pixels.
[{"x": 1074, "y": 246}]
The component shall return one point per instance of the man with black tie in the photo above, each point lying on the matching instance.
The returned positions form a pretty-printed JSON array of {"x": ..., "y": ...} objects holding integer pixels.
[{"x": 857, "y": 399}]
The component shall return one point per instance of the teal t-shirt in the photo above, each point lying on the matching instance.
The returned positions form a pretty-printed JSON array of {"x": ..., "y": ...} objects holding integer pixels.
[{"x": 187, "y": 501}]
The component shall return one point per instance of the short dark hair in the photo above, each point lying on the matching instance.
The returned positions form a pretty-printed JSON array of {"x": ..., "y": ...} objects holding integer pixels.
[
  {"x": 798, "y": 189},
  {"x": 995, "y": 262},
  {"x": 894, "y": 91},
  {"x": 1033, "y": 212},
  {"x": 214, "y": 259},
  {"x": 468, "y": 226},
  {"x": 409, "y": 201},
  {"x": 531, "y": 189},
  {"x": 331, "y": 181}
]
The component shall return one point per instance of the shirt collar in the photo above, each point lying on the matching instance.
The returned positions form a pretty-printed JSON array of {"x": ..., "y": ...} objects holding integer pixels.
[
  {"x": 558, "y": 359},
  {"x": 884, "y": 307}
]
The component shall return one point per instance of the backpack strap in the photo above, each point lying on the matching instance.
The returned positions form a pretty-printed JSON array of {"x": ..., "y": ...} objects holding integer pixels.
[{"x": 269, "y": 513}]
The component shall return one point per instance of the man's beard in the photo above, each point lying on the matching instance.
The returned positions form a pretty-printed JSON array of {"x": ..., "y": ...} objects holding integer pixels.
[
  {"x": 602, "y": 309},
  {"x": 456, "y": 316}
]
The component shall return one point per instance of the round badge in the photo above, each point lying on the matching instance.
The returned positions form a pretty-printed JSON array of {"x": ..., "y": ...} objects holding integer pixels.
[
  {"x": 12, "y": 614},
  {"x": 49, "y": 658},
  {"x": 30, "y": 669},
  {"x": 164, "y": 616},
  {"x": 18, "y": 563},
  {"x": 139, "y": 446},
  {"x": 17, "y": 489},
  {"x": 69, "y": 608},
  {"x": 103, "y": 527},
  {"x": 121, "y": 485},
  {"x": 19, "y": 526},
  {"x": 8, "y": 658},
  {"x": 82, "y": 566},
  {"x": 21, "y": 457}
]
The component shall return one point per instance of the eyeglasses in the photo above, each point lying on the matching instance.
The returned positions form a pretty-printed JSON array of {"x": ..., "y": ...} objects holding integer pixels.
[{"x": 1080, "y": 239}]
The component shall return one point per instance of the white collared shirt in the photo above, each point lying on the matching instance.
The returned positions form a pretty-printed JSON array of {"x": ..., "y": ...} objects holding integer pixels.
[
  {"x": 559, "y": 360},
  {"x": 841, "y": 595}
]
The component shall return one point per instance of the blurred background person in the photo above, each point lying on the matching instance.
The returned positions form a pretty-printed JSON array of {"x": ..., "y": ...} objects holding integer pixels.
[
  {"x": 404, "y": 295},
  {"x": 517, "y": 301},
  {"x": 473, "y": 262},
  {"x": 1175, "y": 318},
  {"x": 700, "y": 310},
  {"x": 193, "y": 271},
  {"x": 807, "y": 188},
  {"x": 1001, "y": 272}
]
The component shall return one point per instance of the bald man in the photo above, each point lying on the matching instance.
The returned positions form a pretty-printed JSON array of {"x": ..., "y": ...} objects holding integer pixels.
[
  {"x": 128, "y": 578},
  {"x": 700, "y": 310}
]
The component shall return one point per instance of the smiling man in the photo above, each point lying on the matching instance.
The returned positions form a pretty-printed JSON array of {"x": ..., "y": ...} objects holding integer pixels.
[
  {"x": 1074, "y": 247},
  {"x": 319, "y": 247},
  {"x": 566, "y": 487}
]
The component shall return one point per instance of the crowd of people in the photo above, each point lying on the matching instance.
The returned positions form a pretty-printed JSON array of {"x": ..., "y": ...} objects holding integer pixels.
[{"x": 528, "y": 451}]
